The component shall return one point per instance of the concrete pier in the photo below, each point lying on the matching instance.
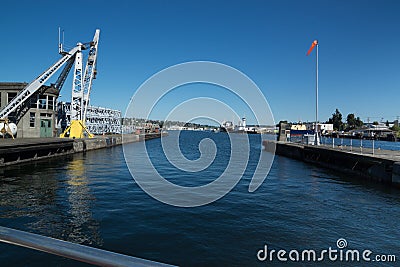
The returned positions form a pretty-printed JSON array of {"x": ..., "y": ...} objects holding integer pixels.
[
  {"x": 14, "y": 151},
  {"x": 20, "y": 150},
  {"x": 381, "y": 166}
]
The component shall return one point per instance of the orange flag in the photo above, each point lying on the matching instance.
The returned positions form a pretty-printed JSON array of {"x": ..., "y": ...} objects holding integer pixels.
[{"x": 312, "y": 47}]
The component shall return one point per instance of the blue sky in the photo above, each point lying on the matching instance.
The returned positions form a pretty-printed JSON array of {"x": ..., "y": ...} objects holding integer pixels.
[{"x": 359, "y": 45}]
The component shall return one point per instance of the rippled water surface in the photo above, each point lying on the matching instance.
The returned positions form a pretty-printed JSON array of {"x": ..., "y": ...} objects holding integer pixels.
[{"x": 92, "y": 199}]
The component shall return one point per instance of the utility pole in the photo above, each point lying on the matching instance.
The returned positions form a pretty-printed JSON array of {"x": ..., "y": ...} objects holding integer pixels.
[{"x": 315, "y": 44}]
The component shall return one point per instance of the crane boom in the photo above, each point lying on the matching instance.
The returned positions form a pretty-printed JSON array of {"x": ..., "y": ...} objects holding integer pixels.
[
  {"x": 35, "y": 85},
  {"x": 77, "y": 93},
  {"x": 90, "y": 72},
  {"x": 81, "y": 87},
  {"x": 64, "y": 74}
]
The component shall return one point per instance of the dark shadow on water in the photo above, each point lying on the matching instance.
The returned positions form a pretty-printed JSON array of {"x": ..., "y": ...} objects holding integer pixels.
[{"x": 50, "y": 197}]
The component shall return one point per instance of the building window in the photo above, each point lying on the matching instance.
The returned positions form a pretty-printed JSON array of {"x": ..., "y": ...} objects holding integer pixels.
[
  {"x": 45, "y": 115},
  {"x": 33, "y": 101},
  {"x": 32, "y": 119},
  {"x": 10, "y": 97},
  {"x": 42, "y": 102},
  {"x": 51, "y": 102}
]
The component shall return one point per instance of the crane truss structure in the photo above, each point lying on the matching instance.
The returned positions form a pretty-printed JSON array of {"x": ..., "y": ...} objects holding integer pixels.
[
  {"x": 90, "y": 72},
  {"x": 103, "y": 120},
  {"x": 82, "y": 83},
  {"x": 98, "y": 120},
  {"x": 33, "y": 87},
  {"x": 77, "y": 96},
  {"x": 81, "y": 88}
]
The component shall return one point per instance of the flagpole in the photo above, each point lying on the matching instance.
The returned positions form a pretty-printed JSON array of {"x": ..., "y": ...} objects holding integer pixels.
[
  {"x": 316, "y": 137},
  {"x": 316, "y": 101}
]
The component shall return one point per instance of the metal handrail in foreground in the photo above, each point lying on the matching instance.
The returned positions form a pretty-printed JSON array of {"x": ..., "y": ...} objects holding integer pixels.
[{"x": 71, "y": 250}]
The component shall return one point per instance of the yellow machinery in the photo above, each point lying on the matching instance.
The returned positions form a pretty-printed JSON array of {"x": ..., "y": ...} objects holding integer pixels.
[{"x": 77, "y": 129}]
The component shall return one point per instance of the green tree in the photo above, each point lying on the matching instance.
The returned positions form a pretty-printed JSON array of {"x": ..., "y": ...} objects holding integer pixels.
[
  {"x": 351, "y": 121},
  {"x": 336, "y": 120},
  {"x": 395, "y": 128},
  {"x": 375, "y": 123},
  {"x": 359, "y": 122}
]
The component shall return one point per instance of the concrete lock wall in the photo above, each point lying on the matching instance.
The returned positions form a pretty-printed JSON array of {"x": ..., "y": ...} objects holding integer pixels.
[
  {"x": 356, "y": 165},
  {"x": 101, "y": 142},
  {"x": 15, "y": 151},
  {"x": 396, "y": 174}
]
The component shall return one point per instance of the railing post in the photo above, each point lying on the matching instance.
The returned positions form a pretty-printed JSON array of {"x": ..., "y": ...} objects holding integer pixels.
[{"x": 373, "y": 146}]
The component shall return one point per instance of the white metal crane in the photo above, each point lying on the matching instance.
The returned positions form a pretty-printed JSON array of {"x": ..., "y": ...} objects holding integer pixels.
[
  {"x": 81, "y": 88},
  {"x": 17, "y": 107},
  {"x": 90, "y": 72},
  {"x": 36, "y": 84}
]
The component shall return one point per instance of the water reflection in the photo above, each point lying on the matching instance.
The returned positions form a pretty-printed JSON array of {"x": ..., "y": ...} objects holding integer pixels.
[
  {"x": 83, "y": 228},
  {"x": 50, "y": 198},
  {"x": 26, "y": 196}
]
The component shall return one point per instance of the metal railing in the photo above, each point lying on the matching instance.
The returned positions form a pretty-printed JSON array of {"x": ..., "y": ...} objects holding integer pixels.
[
  {"x": 364, "y": 147},
  {"x": 71, "y": 250}
]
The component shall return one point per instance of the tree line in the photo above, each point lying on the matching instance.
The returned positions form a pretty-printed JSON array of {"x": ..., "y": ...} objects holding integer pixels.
[{"x": 352, "y": 122}]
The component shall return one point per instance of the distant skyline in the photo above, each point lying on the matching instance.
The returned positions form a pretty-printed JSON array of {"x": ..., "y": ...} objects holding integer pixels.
[{"x": 359, "y": 49}]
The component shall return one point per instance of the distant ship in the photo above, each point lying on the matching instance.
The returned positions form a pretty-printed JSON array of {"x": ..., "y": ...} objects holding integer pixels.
[{"x": 228, "y": 126}]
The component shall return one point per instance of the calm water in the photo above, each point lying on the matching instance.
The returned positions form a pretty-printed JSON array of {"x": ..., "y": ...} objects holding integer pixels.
[{"x": 91, "y": 199}]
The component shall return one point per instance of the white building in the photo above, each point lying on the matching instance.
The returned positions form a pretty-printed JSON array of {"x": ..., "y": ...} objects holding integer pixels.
[{"x": 322, "y": 127}]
